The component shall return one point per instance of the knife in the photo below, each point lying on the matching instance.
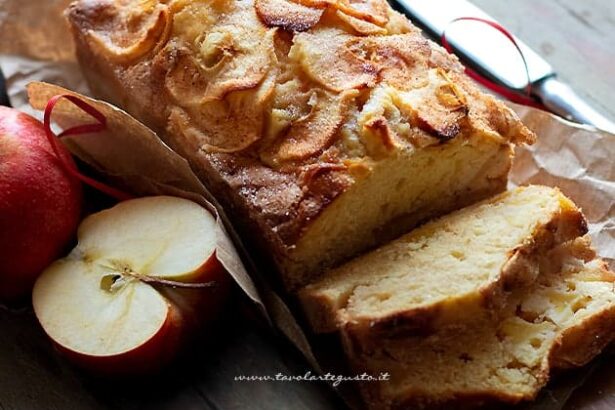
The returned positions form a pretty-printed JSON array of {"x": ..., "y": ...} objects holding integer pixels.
[{"x": 494, "y": 57}]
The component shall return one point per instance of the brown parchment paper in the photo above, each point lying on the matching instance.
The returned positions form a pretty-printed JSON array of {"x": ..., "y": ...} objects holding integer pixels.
[
  {"x": 578, "y": 159},
  {"x": 35, "y": 46}
]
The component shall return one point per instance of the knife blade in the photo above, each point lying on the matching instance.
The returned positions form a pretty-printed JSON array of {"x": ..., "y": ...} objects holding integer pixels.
[{"x": 494, "y": 57}]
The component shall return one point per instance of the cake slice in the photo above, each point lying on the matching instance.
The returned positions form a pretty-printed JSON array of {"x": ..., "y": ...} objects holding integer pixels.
[
  {"x": 460, "y": 261},
  {"x": 323, "y": 127},
  {"x": 561, "y": 321}
]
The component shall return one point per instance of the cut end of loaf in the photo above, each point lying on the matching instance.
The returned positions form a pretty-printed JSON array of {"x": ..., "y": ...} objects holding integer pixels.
[
  {"x": 394, "y": 196},
  {"x": 468, "y": 257}
]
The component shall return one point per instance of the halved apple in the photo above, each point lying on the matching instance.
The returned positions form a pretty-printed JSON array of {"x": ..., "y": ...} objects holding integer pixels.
[{"x": 142, "y": 276}]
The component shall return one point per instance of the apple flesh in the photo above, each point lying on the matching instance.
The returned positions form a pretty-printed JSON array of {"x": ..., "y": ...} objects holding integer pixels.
[
  {"x": 95, "y": 305},
  {"x": 40, "y": 203}
]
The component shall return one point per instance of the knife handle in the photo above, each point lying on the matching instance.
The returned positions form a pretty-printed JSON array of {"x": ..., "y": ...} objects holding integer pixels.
[
  {"x": 562, "y": 100},
  {"x": 4, "y": 98}
]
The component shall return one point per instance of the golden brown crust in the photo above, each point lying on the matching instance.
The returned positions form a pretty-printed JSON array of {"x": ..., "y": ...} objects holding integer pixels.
[
  {"x": 287, "y": 14},
  {"x": 278, "y": 85}
]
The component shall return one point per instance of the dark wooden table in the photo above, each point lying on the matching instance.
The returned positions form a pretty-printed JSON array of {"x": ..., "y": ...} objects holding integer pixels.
[
  {"x": 578, "y": 38},
  {"x": 33, "y": 376}
]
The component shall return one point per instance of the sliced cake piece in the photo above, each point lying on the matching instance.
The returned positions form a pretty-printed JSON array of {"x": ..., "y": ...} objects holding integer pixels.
[
  {"x": 564, "y": 319},
  {"x": 462, "y": 260}
]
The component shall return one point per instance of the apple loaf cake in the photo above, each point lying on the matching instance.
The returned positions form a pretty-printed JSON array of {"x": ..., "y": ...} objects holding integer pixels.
[
  {"x": 323, "y": 127},
  {"x": 457, "y": 262},
  {"x": 563, "y": 320}
]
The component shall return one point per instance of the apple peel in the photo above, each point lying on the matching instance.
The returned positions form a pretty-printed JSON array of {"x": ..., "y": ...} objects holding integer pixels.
[{"x": 40, "y": 203}]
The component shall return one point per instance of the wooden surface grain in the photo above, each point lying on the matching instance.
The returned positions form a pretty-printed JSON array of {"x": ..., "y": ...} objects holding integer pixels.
[{"x": 576, "y": 37}]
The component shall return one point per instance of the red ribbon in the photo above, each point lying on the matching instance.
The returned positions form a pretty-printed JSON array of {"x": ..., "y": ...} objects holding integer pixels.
[
  {"x": 497, "y": 88},
  {"x": 98, "y": 126}
]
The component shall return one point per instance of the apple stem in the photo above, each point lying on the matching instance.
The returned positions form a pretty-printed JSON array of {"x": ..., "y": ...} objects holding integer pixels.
[{"x": 166, "y": 282}]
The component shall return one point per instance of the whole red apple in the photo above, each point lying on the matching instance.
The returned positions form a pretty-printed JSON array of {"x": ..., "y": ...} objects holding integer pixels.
[{"x": 40, "y": 203}]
